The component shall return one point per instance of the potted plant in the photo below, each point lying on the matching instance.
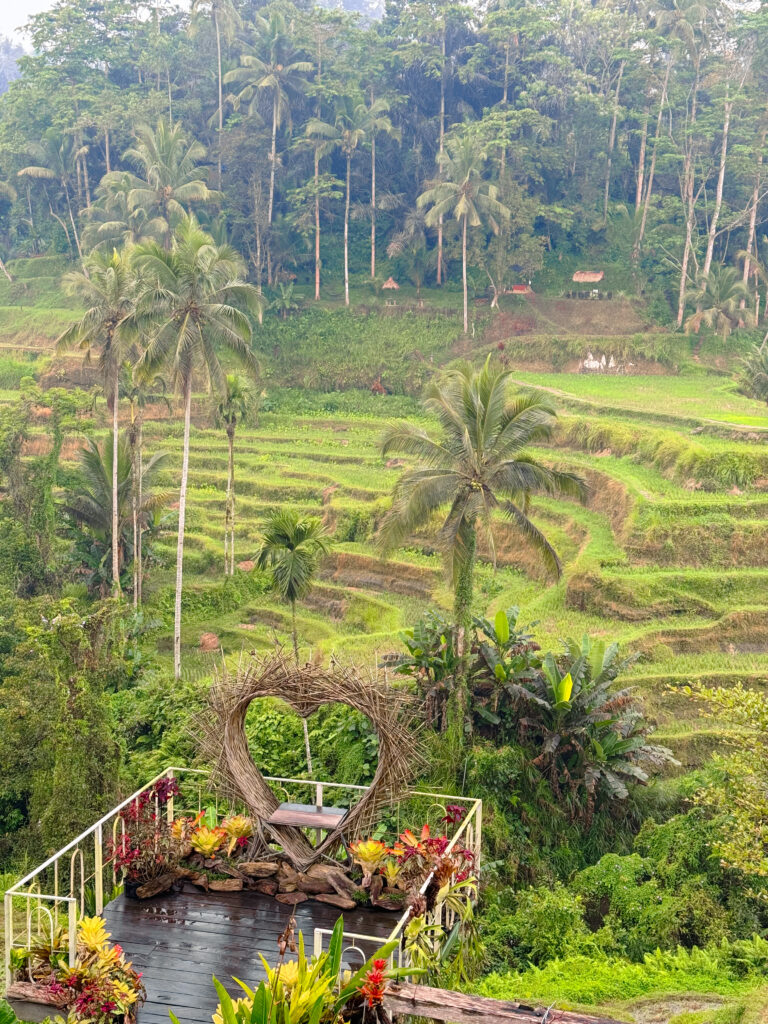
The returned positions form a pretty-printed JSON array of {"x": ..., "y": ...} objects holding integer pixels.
[{"x": 144, "y": 850}]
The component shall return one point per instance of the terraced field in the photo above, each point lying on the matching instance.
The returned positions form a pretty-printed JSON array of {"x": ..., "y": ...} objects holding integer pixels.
[{"x": 668, "y": 555}]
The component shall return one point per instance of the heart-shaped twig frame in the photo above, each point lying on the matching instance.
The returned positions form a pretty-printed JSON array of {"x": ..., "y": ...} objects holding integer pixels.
[{"x": 393, "y": 713}]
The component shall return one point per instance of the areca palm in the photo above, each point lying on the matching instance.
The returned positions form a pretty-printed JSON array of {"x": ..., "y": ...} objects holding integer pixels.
[
  {"x": 376, "y": 122},
  {"x": 190, "y": 303},
  {"x": 292, "y": 546},
  {"x": 91, "y": 504},
  {"x": 57, "y": 157},
  {"x": 718, "y": 297},
  {"x": 347, "y": 133},
  {"x": 170, "y": 179},
  {"x": 275, "y": 69},
  {"x": 106, "y": 287},
  {"x": 237, "y": 403},
  {"x": 462, "y": 193},
  {"x": 477, "y": 467}
]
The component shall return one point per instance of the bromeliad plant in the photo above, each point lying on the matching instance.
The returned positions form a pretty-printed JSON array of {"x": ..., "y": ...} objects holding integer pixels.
[
  {"x": 102, "y": 987},
  {"x": 312, "y": 991},
  {"x": 144, "y": 849}
]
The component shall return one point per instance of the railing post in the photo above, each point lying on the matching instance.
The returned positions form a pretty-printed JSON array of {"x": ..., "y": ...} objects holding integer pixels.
[
  {"x": 72, "y": 932},
  {"x": 8, "y": 922},
  {"x": 98, "y": 869},
  {"x": 169, "y": 805},
  {"x": 478, "y": 834}
]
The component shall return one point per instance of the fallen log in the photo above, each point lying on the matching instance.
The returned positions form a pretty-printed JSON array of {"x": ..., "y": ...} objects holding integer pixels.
[{"x": 462, "y": 1008}]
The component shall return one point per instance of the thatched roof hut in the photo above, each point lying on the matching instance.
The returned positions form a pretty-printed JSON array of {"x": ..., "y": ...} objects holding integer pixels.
[
  {"x": 391, "y": 284},
  {"x": 588, "y": 276}
]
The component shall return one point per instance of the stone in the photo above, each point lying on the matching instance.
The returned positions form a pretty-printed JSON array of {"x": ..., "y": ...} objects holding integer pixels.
[
  {"x": 342, "y": 902},
  {"x": 314, "y": 884},
  {"x": 226, "y": 885},
  {"x": 266, "y": 886},
  {"x": 258, "y": 868},
  {"x": 156, "y": 886},
  {"x": 291, "y": 898},
  {"x": 287, "y": 877}
]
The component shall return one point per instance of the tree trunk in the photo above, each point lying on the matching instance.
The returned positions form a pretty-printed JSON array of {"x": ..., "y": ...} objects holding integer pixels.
[
  {"x": 464, "y": 270},
  {"x": 273, "y": 155},
  {"x": 134, "y": 508},
  {"x": 221, "y": 95},
  {"x": 442, "y": 138},
  {"x": 72, "y": 222},
  {"x": 652, "y": 169},
  {"x": 307, "y": 747},
  {"x": 346, "y": 233},
  {"x": 115, "y": 510},
  {"x": 140, "y": 456},
  {"x": 228, "y": 539},
  {"x": 641, "y": 162},
  {"x": 107, "y": 160},
  {"x": 753, "y": 217},
  {"x": 232, "y": 508},
  {"x": 180, "y": 537},
  {"x": 317, "y": 224},
  {"x": 373, "y": 205},
  {"x": 4, "y": 270},
  {"x": 689, "y": 203},
  {"x": 611, "y": 143},
  {"x": 720, "y": 181}
]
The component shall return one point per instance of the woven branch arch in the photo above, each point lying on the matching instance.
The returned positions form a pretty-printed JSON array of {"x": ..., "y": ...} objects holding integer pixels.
[{"x": 393, "y": 713}]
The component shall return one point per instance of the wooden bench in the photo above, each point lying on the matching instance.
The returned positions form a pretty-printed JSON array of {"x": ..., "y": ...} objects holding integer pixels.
[{"x": 307, "y": 816}]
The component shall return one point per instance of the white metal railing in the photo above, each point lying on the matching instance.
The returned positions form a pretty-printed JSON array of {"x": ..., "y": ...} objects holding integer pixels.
[{"x": 56, "y": 892}]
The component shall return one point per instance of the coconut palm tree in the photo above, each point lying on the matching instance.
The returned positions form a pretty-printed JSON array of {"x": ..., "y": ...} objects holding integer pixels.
[
  {"x": 753, "y": 375},
  {"x": 190, "y": 304},
  {"x": 292, "y": 546},
  {"x": 56, "y": 158},
  {"x": 273, "y": 68},
  {"x": 718, "y": 297},
  {"x": 477, "y": 467},
  {"x": 170, "y": 180},
  {"x": 323, "y": 187},
  {"x": 226, "y": 21},
  {"x": 462, "y": 194},
  {"x": 89, "y": 505},
  {"x": 106, "y": 287},
  {"x": 113, "y": 222},
  {"x": 139, "y": 393},
  {"x": 237, "y": 404}
]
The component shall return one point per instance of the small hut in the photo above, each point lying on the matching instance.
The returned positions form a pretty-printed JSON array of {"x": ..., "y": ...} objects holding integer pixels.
[
  {"x": 390, "y": 285},
  {"x": 522, "y": 289}
]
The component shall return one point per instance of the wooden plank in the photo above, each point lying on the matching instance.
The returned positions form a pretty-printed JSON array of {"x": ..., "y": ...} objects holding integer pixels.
[{"x": 460, "y": 1008}]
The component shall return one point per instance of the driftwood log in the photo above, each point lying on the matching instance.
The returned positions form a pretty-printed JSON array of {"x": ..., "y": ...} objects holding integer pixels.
[
  {"x": 305, "y": 688},
  {"x": 460, "y": 1008}
]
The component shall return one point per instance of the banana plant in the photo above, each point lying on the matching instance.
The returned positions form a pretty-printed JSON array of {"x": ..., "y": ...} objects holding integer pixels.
[{"x": 505, "y": 660}]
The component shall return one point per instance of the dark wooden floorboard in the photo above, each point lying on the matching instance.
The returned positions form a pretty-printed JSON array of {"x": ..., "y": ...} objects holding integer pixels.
[{"x": 180, "y": 941}]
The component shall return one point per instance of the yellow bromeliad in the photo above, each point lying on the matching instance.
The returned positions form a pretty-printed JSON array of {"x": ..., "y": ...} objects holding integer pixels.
[
  {"x": 368, "y": 853},
  {"x": 238, "y": 828},
  {"x": 92, "y": 934},
  {"x": 206, "y": 841}
]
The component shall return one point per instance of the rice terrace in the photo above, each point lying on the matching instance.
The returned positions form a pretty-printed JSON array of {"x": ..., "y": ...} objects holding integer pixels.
[{"x": 383, "y": 513}]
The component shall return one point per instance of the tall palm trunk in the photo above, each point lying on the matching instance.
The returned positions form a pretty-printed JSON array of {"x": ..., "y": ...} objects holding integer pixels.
[
  {"x": 229, "y": 524},
  {"x": 180, "y": 538},
  {"x": 317, "y": 224},
  {"x": 273, "y": 154},
  {"x": 753, "y": 217},
  {"x": 221, "y": 94},
  {"x": 346, "y": 232},
  {"x": 719, "y": 190},
  {"x": 689, "y": 203},
  {"x": 135, "y": 507},
  {"x": 641, "y": 161},
  {"x": 115, "y": 510},
  {"x": 373, "y": 205},
  {"x": 442, "y": 139},
  {"x": 464, "y": 270},
  {"x": 611, "y": 143},
  {"x": 140, "y": 541},
  {"x": 652, "y": 168}
]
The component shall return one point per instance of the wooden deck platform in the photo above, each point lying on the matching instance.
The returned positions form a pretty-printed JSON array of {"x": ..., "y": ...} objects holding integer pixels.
[{"x": 180, "y": 941}]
